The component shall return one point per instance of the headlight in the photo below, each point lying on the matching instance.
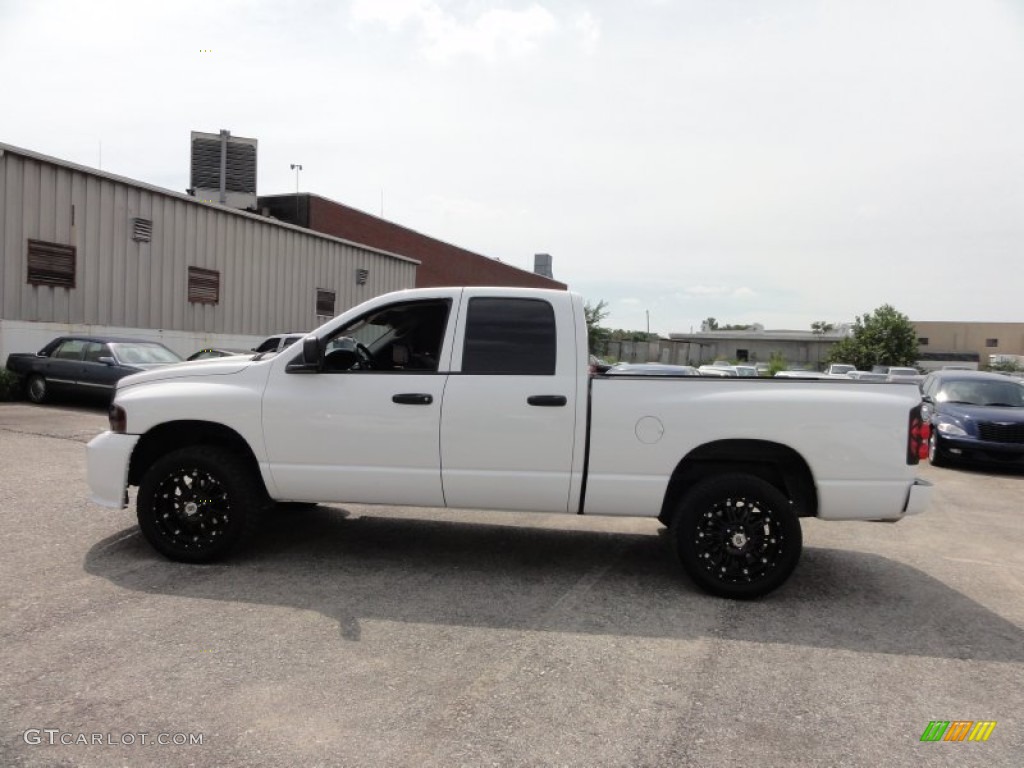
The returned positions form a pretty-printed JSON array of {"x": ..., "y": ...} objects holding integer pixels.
[
  {"x": 118, "y": 419},
  {"x": 951, "y": 429}
]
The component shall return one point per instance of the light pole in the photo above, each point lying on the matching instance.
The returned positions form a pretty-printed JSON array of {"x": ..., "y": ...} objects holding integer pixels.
[{"x": 296, "y": 167}]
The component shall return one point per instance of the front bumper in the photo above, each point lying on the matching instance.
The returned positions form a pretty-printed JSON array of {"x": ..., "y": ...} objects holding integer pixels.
[
  {"x": 107, "y": 457},
  {"x": 966, "y": 447}
]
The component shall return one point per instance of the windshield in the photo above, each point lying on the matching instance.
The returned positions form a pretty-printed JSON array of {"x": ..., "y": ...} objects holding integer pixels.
[
  {"x": 132, "y": 353},
  {"x": 991, "y": 393}
]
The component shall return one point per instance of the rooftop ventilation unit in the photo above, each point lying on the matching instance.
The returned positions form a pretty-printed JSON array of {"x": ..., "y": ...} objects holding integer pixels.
[
  {"x": 542, "y": 265},
  {"x": 224, "y": 169}
]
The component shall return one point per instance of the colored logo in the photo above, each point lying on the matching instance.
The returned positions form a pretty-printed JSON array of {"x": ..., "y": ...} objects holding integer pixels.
[{"x": 958, "y": 730}]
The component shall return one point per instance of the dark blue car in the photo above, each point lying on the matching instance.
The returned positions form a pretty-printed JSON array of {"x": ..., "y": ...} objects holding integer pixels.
[
  {"x": 974, "y": 416},
  {"x": 85, "y": 365}
]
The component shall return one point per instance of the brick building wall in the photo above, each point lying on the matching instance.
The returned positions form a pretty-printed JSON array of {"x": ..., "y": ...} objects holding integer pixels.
[{"x": 441, "y": 264}]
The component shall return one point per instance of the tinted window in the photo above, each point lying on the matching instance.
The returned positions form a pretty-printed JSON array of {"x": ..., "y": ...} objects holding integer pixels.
[{"x": 509, "y": 336}]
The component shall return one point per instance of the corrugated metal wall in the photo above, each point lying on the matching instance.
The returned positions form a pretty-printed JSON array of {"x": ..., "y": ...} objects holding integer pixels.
[{"x": 269, "y": 273}]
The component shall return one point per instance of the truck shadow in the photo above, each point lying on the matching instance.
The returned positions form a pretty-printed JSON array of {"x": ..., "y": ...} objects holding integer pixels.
[{"x": 579, "y": 581}]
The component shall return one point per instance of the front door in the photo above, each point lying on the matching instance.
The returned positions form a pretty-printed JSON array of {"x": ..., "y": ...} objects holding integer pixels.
[{"x": 365, "y": 428}]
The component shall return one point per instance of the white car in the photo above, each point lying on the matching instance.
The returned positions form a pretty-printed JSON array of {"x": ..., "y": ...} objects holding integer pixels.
[
  {"x": 481, "y": 398},
  {"x": 798, "y": 374},
  {"x": 277, "y": 342},
  {"x": 867, "y": 376},
  {"x": 720, "y": 371}
]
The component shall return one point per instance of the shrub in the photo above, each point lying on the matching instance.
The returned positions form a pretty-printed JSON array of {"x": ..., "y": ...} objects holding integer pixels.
[{"x": 9, "y": 387}]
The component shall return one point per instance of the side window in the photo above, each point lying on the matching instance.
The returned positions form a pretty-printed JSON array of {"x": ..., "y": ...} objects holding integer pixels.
[
  {"x": 515, "y": 336},
  {"x": 70, "y": 350},
  {"x": 270, "y": 345},
  {"x": 94, "y": 351},
  {"x": 404, "y": 337}
]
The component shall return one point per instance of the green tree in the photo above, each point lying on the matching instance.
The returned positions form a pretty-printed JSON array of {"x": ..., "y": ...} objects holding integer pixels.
[
  {"x": 882, "y": 337},
  {"x": 820, "y": 327},
  {"x": 776, "y": 363},
  {"x": 709, "y": 325},
  {"x": 620, "y": 334},
  {"x": 597, "y": 336},
  {"x": 1008, "y": 366}
]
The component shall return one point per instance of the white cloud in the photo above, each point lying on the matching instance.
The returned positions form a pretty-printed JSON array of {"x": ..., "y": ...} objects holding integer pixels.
[
  {"x": 392, "y": 13},
  {"x": 706, "y": 290},
  {"x": 589, "y": 29},
  {"x": 443, "y": 35},
  {"x": 744, "y": 293}
]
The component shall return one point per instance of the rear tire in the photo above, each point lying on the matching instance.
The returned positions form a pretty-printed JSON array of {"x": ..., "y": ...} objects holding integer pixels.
[
  {"x": 36, "y": 389},
  {"x": 197, "y": 504},
  {"x": 737, "y": 536}
]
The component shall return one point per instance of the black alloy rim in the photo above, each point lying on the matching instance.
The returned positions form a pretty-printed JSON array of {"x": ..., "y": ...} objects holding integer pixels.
[
  {"x": 738, "y": 540},
  {"x": 191, "y": 509}
]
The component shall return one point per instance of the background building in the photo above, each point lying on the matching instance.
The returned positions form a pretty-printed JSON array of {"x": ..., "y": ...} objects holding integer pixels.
[
  {"x": 441, "y": 264},
  {"x": 951, "y": 342},
  {"x": 800, "y": 349},
  {"x": 88, "y": 251}
]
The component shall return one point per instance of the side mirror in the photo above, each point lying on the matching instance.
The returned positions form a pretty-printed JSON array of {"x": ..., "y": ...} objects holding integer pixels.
[
  {"x": 106, "y": 360},
  {"x": 311, "y": 351},
  {"x": 310, "y": 359}
]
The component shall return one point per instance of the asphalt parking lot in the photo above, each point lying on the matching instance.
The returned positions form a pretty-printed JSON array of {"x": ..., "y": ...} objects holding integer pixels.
[{"x": 376, "y": 636}]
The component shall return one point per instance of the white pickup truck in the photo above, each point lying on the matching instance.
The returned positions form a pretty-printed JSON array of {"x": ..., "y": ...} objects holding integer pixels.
[{"x": 482, "y": 398}]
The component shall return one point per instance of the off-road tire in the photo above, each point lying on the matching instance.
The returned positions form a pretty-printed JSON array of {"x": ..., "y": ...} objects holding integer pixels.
[
  {"x": 737, "y": 536},
  {"x": 199, "y": 503}
]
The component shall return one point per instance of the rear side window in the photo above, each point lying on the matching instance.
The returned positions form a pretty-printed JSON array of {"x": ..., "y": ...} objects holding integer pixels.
[{"x": 514, "y": 336}]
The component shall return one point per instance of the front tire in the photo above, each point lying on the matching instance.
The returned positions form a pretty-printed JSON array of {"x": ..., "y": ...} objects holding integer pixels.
[
  {"x": 36, "y": 389},
  {"x": 737, "y": 536},
  {"x": 197, "y": 504},
  {"x": 936, "y": 456}
]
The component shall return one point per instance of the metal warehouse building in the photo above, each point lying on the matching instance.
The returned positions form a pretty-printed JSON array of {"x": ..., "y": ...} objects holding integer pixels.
[{"x": 88, "y": 251}]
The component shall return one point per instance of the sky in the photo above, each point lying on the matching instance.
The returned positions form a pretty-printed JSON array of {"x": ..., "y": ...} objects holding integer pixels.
[{"x": 768, "y": 162}]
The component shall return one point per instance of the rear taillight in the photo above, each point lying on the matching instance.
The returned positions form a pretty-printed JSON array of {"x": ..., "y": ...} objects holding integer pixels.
[{"x": 917, "y": 437}]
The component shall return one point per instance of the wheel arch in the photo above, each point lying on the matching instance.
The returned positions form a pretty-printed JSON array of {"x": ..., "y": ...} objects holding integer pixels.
[
  {"x": 172, "y": 435},
  {"x": 773, "y": 462}
]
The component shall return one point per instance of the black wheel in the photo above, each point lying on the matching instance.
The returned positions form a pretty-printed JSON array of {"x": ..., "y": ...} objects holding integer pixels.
[
  {"x": 936, "y": 456},
  {"x": 36, "y": 388},
  {"x": 196, "y": 504},
  {"x": 737, "y": 536}
]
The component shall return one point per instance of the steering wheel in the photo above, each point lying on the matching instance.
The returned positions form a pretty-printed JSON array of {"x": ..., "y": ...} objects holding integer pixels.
[{"x": 365, "y": 357}]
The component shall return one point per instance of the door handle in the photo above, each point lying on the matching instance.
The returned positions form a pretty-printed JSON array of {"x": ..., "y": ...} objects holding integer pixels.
[
  {"x": 547, "y": 400},
  {"x": 413, "y": 398}
]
